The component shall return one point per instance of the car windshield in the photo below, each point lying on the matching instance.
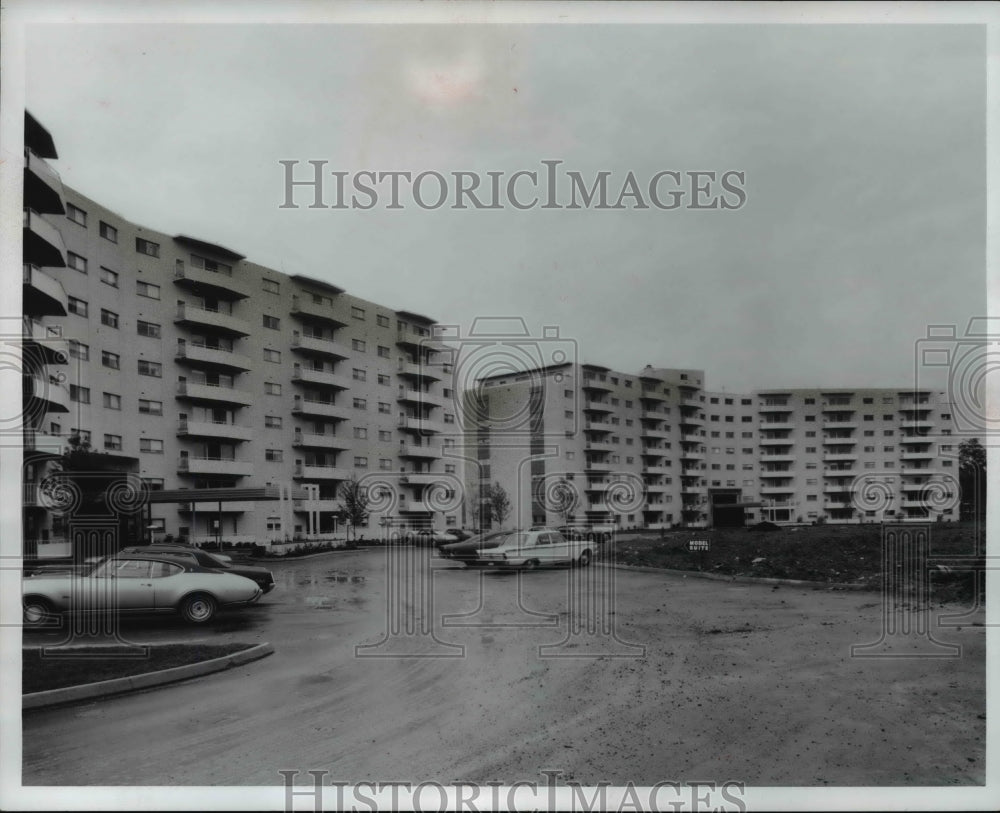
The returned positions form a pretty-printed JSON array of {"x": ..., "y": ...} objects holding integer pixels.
[
  {"x": 215, "y": 559},
  {"x": 514, "y": 538}
]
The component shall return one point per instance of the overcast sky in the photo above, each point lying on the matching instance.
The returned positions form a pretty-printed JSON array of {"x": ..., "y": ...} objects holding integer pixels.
[{"x": 863, "y": 148}]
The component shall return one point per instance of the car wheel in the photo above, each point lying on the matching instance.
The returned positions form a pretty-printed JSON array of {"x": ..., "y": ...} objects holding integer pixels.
[
  {"x": 198, "y": 609},
  {"x": 584, "y": 559},
  {"x": 531, "y": 564},
  {"x": 37, "y": 611}
]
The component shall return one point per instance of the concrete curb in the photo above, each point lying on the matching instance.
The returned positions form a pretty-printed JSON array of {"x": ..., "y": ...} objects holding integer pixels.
[
  {"x": 722, "y": 577},
  {"x": 87, "y": 691}
]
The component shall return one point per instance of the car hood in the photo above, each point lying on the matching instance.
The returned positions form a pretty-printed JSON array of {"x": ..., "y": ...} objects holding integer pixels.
[{"x": 469, "y": 545}]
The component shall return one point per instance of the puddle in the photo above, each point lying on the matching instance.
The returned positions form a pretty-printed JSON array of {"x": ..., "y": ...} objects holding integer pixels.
[{"x": 319, "y": 602}]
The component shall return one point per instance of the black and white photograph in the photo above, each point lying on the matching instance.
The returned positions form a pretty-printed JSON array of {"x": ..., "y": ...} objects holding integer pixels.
[{"x": 482, "y": 406}]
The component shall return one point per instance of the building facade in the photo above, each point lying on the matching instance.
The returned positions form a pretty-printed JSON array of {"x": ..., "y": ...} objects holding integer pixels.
[
  {"x": 700, "y": 458},
  {"x": 200, "y": 370}
]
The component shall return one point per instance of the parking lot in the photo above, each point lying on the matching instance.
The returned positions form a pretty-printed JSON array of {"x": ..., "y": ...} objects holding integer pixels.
[{"x": 472, "y": 676}]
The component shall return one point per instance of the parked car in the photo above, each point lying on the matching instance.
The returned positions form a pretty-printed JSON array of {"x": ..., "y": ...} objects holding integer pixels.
[
  {"x": 468, "y": 550},
  {"x": 225, "y": 557},
  {"x": 33, "y": 569},
  {"x": 530, "y": 549},
  {"x": 588, "y": 533},
  {"x": 261, "y": 575},
  {"x": 135, "y": 583}
]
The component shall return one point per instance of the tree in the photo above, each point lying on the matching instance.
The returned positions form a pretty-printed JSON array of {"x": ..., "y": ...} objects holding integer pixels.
[
  {"x": 564, "y": 499},
  {"x": 972, "y": 477},
  {"x": 354, "y": 502},
  {"x": 498, "y": 503}
]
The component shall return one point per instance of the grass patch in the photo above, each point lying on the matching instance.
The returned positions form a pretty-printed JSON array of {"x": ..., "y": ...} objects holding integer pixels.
[
  {"x": 820, "y": 553},
  {"x": 56, "y": 669}
]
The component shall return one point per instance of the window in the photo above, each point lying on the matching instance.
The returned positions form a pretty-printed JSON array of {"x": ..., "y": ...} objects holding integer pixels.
[
  {"x": 358, "y": 374},
  {"x": 869, "y": 433},
  {"x": 271, "y": 286},
  {"x": 76, "y": 214},
  {"x": 76, "y": 262},
  {"x": 77, "y": 306},
  {"x": 746, "y": 401},
  {"x": 154, "y": 483},
  {"x": 449, "y": 418},
  {"x": 109, "y": 318},
  {"x": 383, "y": 352},
  {"x": 82, "y": 434},
  {"x": 151, "y": 368},
  {"x": 79, "y": 350},
  {"x": 361, "y": 462},
  {"x": 150, "y": 329},
  {"x": 746, "y": 419},
  {"x": 384, "y": 380},
  {"x": 109, "y": 232},
  {"x": 810, "y": 450},
  {"x": 273, "y": 455},
  {"x": 109, "y": 277},
  {"x": 358, "y": 344},
  {"x": 888, "y": 448},
  {"x": 887, "y": 417},
  {"x": 151, "y": 445},
  {"x": 358, "y": 313},
  {"x": 384, "y": 408},
  {"x": 383, "y": 321},
  {"x": 113, "y": 442},
  {"x": 272, "y": 322},
  {"x": 384, "y": 434},
  {"x": 272, "y": 421},
  {"x": 147, "y": 247},
  {"x": 869, "y": 449},
  {"x": 274, "y": 356},
  {"x": 112, "y": 401},
  {"x": 271, "y": 388},
  {"x": 147, "y": 289},
  {"x": 79, "y": 394},
  {"x": 360, "y": 403},
  {"x": 945, "y": 416},
  {"x": 888, "y": 433},
  {"x": 147, "y": 407},
  {"x": 361, "y": 433},
  {"x": 869, "y": 417}
]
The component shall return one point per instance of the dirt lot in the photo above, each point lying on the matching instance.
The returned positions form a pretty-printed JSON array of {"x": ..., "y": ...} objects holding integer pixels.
[{"x": 823, "y": 553}]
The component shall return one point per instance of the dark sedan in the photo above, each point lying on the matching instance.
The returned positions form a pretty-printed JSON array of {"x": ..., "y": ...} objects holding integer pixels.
[
  {"x": 261, "y": 575},
  {"x": 468, "y": 551}
]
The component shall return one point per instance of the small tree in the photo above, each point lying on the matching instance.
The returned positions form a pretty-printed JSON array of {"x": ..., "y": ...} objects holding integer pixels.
[
  {"x": 565, "y": 499},
  {"x": 354, "y": 502},
  {"x": 498, "y": 503}
]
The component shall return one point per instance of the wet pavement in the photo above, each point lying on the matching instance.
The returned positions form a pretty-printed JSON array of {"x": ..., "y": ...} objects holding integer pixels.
[{"x": 407, "y": 668}]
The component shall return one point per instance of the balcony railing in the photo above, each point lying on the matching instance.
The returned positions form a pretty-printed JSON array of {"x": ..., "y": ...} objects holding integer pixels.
[
  {"x": 319, "y": 346},
  {"x": 319, "y": 378},
  {"x": 192, "y": 315},
  {"x": 217, "y": 357},
  {"x": 214, "y": 466},
  {"x": 213, "y": 392},
  {"x": 213, "y": 429},
  {"x": 42, "y": 295},
  {"x": 212, "y": 283}
]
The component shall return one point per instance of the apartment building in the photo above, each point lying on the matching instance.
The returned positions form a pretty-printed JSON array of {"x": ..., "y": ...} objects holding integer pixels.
[
  {"x": 202, "y": 371},
  {"x": 710, "y": 458}
]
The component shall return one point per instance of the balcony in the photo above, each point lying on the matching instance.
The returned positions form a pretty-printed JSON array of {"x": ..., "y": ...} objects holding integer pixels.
[
  {"x": 598, "y": 446},
  {"x": 918, "y": 454},
  {"x": 407, "y": 338},
  {"x": 319, "y": 378},
  {"x": 777, "y": 458},
  {"x": 783, "y": 474},
  {"x": 305, "y": 308},
  {"x": 310, "y": 506},
  {"x": 599, "y": 383},
  {"x": 657, "y": 487},
  {"x": 768, "y": 426},
  {"x": 692, "y": 454},
  {"x": 419, "y": 397},
  {"x": 310, "y": 471},
  {"x": 919, "y": 471},
  {"x": 597, "y": 405},
  {"x": 217, "y": 393},
  {"x": 42, "y": 295},
  {"x": 769, "y": 409},
  {"x": 43, "y": 245},
  {"x": 426, "y": 370},
  {"x": 597, "y": 426},
  {"x": 777, "y": 489},
  {"x": 653, "y": 415},
  {"x": 657, "y": 470},
  {"x": 319, "y": 409},
  {"x": 326, "y": 440},
  {"x": 422, "y": 425},
  {"x": 776, "y": 442},
  {"x": 217, "y": 358},
  {"x": 318, "y": 346},
  {"x": 692, "y": 419},
  {"x": 837, "y": 489},
  {"x": 598, "y": 465},
  {"x": 212, "y": 284},
  {"x": 195, "y": 318},
  {"x": 654, "y": 433},
  {"x": 186, "y": 428},
  {"x": 597, "y": 485},
  {"x": 43, "y": 189},
  {"x": 828, "y": 441},
  {"x": 46, "y": 394},
  {"x": 918, "y": 424},
  {"x": 43, "y": 344},
  {"x": 694, "y": 490},
  {"x": 422, "y": 478},
  {"x": 840, "y": 424},
  {"x": 422, "y": 452},
  {"x": 212, "y": 508},
  {"x": 221, "y": 467},
  {"x": 839, "y": 456},
  {"x": 848, "y": 472},
  {"x": 653, "y": 395},
  {"x": 40, "y": 444}
]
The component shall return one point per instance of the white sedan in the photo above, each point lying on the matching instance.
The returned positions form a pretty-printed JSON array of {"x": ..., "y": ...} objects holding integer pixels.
[
  {"x": 530, "y": 549},
  {"x": 137, "y": 584}
]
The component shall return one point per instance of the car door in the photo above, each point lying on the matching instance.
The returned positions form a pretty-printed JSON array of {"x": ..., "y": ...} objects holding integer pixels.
[
  {"x": 131, "y": 585},
  {"x": 559, "y": 547},
  {"x": 168, "y": 584},
  {"x": 543, "y": 548}
]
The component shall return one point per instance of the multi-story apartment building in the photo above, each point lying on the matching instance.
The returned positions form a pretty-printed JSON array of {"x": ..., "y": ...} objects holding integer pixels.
[
  {"x": 711, "y": 458},
  {"x": 202, "y": 371}
]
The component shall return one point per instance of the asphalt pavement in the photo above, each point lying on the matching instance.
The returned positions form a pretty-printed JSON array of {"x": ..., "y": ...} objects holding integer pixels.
[{"x": 406, "y": 669}]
